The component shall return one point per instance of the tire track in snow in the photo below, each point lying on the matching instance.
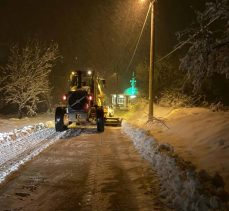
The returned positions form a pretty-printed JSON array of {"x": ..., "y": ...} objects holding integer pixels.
[{"x": 17, "y": 152}]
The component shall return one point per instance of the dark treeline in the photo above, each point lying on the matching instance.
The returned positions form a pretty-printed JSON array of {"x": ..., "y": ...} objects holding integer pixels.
[{"x": 101, "y": 35}]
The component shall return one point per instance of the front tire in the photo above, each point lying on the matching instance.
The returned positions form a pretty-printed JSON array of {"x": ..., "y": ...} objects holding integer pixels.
[
  {"x": 100, "y": 120},
  {"x": 59, "y": 119}
]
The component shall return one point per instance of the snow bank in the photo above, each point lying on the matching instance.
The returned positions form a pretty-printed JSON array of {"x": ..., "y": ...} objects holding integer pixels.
[
  {"x": 181, "y": 186},
  {"x": 21, "y": 145},
  {"x": 19, "y": 133}
]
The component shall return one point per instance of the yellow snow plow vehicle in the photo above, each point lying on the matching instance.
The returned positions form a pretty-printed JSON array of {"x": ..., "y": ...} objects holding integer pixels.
[{"x": 84, "y": 102}]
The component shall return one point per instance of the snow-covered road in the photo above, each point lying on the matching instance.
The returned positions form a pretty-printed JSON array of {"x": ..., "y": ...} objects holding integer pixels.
[
  {"x": 180, "y": 184},
  {"x": 86, "y": 170},
  {"x": 21, "y": 145}
]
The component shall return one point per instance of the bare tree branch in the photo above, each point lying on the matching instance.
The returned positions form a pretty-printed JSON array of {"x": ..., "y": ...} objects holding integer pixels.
[
  {"x": 25, "y": 77},
  {"x": 208, "y": 51}
]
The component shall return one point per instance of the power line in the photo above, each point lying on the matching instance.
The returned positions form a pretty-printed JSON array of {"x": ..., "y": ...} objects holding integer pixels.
[
  {"x": 139, "y": 38},
  {"x": 171, "y": 52},
  {"x": 185, "y": 42}
]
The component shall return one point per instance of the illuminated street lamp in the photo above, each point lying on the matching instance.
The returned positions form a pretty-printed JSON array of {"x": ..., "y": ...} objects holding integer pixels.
[{"x": 89, "y": 72}]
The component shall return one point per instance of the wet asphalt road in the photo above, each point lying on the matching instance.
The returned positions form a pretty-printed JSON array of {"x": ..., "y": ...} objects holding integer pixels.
[{"x": 86, "y": 171}]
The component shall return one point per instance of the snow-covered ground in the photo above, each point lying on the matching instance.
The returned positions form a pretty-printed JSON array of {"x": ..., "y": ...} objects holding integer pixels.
[
  {"x": 182, "y": 187},
  {"x": 23, "y": 139},
  {"x": 187, "y": 136},
  {"x": 9, "y": 123},
  {"x": 21, "y": 145},
  {"x": 198, "y": 135}
]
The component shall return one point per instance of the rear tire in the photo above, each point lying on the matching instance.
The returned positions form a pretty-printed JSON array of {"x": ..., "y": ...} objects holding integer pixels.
[
  {"x": 100, "y": 120},
  {"x": 59, "y": 119}
]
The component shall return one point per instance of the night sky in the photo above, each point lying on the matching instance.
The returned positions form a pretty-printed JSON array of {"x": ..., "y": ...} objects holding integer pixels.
[{"x": 97, "y": 34}]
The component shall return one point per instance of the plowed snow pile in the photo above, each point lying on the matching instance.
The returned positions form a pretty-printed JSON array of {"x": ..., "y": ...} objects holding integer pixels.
[
  {"x": 182, "y": 187},
  {"x": 21, "y": 145},
  {"x": 9, "y": 122},
  {"x": 198, "y": 136}
]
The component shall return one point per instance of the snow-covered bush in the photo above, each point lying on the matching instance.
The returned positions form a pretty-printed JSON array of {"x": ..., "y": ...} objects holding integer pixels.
[{"x": 171, "y": 98}]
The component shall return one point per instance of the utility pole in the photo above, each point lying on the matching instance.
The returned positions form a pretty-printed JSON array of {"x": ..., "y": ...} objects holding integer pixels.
[{"x": 151, "y": 69}]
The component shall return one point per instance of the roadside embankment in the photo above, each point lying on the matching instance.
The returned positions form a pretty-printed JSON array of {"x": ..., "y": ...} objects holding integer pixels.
[{"x": 198, "y": 135}]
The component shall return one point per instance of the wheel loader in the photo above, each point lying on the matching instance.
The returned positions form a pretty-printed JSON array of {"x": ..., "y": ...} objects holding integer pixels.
[{"x": 83, "y": 102}]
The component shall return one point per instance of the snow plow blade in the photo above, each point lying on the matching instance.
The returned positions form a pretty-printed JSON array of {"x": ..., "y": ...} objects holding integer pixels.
[{"x": 113, "y": 121}]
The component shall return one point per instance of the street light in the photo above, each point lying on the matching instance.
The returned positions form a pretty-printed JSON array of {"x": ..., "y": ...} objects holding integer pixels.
[{"x": 89, "y": 72}]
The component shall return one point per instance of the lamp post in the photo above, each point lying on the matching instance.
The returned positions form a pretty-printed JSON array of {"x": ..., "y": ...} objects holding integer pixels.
[{"x": 151, "y": 68}]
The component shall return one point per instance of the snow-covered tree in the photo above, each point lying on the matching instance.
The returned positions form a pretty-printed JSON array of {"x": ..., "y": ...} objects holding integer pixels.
[
  {"x": 208, "y": 40},
  {"x": 24, "y": 79}
]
